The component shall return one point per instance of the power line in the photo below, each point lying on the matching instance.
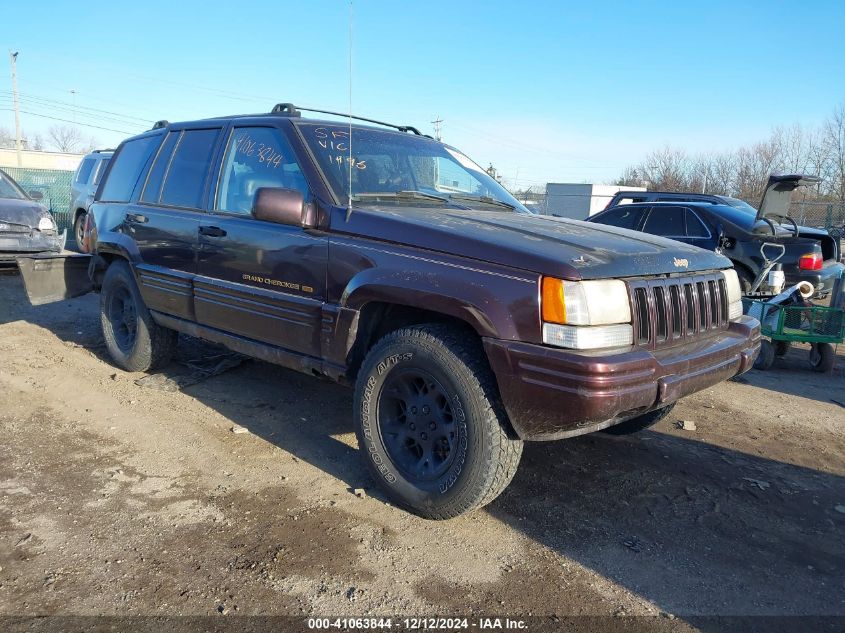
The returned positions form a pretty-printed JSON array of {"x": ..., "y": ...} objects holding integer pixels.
[
  {"x": 78, "y": 107},
  {"x": 52, "y": 118},
  {"x": 62, "y": 109}
]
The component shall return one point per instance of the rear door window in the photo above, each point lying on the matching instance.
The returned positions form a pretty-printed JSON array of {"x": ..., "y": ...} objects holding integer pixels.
[
  {"x": 666, "y": 221},
  {"x": 129, "y": 162},
  {"x": 624, "y": 217},
  {"x": 187, "y": 175},
  {"x": 101, "y": 170}
]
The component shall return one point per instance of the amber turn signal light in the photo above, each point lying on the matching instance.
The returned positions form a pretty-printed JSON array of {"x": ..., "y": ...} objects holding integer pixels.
[{"x": 553, "y": 305}]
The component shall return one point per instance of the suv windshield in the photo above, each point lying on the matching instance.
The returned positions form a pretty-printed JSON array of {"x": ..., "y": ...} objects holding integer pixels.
[
  {"x": 401, "y": 168},
  {"x": 8, "y": 188}
]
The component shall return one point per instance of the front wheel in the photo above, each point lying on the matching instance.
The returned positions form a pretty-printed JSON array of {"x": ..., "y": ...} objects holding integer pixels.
[
  {"x": 134, "y": 341},
  {"x": 822, "y": 357},
  {"x": 766, "y": 358},
  {"x": 430, "y": 424}
]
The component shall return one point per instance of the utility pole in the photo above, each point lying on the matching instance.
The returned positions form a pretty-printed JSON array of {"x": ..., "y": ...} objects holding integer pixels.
[
  {"x": 13, "y": 60},
  {"x": 437, "y": 124}
]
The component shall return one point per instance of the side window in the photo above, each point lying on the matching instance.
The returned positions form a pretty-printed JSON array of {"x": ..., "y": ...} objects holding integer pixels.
[
  {"x": 188, "y": 172},
  {"x": 256, "y": 157},
  {"x": 85, "y": 170},
  {"x": 622, "y": 216},
  {"x": 152, "y": 190},
  {"x": 695, "y": 227},
  {"x": 101, "y": 169},
  {"x": 129, "y": 162},
  {"x": 666, "y": 221}
]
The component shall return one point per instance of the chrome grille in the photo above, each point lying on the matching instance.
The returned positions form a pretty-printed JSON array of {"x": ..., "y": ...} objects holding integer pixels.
[{"x": 671, "y": 310}]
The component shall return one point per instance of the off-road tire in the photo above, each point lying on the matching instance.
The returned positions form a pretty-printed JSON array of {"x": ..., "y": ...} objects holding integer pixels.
[
  {"x": 486, "y": 451},
  {"x": 79, "y": 230},
  {"x": 822, "y": 357},
  {"x": 152, "y": 346},
  {"x": 639, "y": 423},
  {"x": 766, "y": 358}
]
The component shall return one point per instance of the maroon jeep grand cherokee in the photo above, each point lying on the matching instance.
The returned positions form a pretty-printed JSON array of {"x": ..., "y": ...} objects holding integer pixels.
[{"x": 389, "y": 261}]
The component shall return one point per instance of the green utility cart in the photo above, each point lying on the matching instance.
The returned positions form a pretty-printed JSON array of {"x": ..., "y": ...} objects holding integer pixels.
[{"x": 821, "y": 326}]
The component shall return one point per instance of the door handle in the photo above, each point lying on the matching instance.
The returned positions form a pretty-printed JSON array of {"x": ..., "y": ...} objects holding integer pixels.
[
  {"x": 136, "y": 218},
  {"x": 212, "y": 231}
]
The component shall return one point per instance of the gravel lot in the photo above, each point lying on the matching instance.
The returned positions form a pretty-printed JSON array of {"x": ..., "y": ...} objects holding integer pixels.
[{"x": 120, "y": 499}]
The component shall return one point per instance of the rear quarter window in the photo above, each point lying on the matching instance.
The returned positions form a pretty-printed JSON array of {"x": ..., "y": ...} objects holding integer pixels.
[{"x": 129, "y": 162}]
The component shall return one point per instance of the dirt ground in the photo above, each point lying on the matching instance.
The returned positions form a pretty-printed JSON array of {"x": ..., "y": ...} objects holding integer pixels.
[{"x": 119, "y": 499}]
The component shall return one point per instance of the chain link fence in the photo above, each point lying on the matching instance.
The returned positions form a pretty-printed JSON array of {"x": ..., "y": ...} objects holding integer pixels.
[
  {"x": 823, "y": 215},
  {"x": 54, "y": 185}
]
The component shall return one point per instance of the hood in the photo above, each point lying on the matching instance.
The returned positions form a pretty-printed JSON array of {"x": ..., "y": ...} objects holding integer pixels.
[
  {"x": 568, "y": 249},
  {"x": 778, "y": 194},
  {"x": 24, "y": 212}
]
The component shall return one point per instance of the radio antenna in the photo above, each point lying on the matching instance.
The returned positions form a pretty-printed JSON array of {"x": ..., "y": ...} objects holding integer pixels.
[{"x": 350, "y": 164}]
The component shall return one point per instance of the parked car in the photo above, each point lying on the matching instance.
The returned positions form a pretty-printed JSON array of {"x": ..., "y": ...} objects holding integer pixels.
[
  {"x": 84, "y": 185},
  {"x": 386, "y": 260},
  {"x": 736, "y": 229},
  {"x": 26, "y": 226}
]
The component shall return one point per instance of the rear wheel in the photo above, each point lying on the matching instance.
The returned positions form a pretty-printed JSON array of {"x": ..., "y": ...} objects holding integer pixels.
[
  {"x": 134, "y": 341},
  {"x": 79, "y": 229},
  {"x": 822, "y": 357},
  {"x": 639, "y": 423},
  {"x": 782, "y": 348},
  {"x": 430, "y": 424}
]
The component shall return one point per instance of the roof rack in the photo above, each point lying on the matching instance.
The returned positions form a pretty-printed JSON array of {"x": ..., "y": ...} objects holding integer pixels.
[
  {"x": 288, "y": 109},
  {"x": 160, "y": 124}
]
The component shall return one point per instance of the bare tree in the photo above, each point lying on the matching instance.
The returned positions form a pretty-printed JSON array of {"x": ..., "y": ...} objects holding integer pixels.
[
  {"x": 66, "y": 138},
  {"x": 834, "y": 140},
  {"x": 7, "y": 139}
]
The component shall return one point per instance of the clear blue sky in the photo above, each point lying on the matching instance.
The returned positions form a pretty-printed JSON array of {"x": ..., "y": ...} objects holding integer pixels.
[{"x": 544, "y": 90}]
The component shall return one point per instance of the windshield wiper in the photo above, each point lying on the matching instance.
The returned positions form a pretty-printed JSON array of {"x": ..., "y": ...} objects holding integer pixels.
[
  {"x": 408, "y": 195},
  {"x": 483, "y": 200}
]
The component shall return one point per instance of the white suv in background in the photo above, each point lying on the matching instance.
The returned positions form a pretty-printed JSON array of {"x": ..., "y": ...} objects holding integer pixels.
[{"x": 84, "y": 186}]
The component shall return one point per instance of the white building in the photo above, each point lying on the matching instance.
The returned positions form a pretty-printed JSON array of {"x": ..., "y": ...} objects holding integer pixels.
[{"x": 579, "y": 201}]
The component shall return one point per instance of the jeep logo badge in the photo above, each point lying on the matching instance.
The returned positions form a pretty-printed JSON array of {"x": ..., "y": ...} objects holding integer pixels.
[{"x": 681, "y": 263}]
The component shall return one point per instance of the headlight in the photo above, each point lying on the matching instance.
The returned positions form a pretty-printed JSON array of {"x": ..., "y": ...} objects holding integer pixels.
[
  {"x": 585, "y": 314},
  {"x": 734, "y": 294},
  {"x": 46, "y": 224},
  {"x": 601, "y": 302}
]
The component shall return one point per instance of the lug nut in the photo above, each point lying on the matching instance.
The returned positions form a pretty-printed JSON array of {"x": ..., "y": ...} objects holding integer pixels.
[
  {"x": 413, "y": 426},
  {"x": 432, "y": 426},
  {"x": 414, "y": 410},
  {"x": 426, "y": 410},
  {"x": 424, "y": 436}
]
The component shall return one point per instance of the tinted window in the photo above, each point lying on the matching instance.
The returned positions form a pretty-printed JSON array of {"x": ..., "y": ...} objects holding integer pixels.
[
  {"x": 152, "y": 189},
  {"x": 85, "y": 169},
  {"x": 101, "y": 169},
  {"x": 256, "y": 157},
  {"x": 695, "y": 227},
  {"x": 629, "y": 200},
  {"x": 622, "y": 216},
  {"x": 129, "y": 162},
  {"x": 186, "y": 177},
  {"x": 666, "y": 221}
]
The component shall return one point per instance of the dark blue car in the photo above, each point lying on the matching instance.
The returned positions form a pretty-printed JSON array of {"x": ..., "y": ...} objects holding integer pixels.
[{"x": 738, "y": 229}]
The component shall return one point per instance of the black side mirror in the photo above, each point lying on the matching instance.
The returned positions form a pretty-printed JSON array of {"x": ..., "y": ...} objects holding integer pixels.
[
  {"x": 283, "y": 206},
  {"x": 36, "y": 195}
]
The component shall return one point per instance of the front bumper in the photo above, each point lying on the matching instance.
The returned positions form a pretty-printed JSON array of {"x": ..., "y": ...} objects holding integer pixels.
[
  {"x": 13, "y": 244},
  {"x": 554, "y": 393}
]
